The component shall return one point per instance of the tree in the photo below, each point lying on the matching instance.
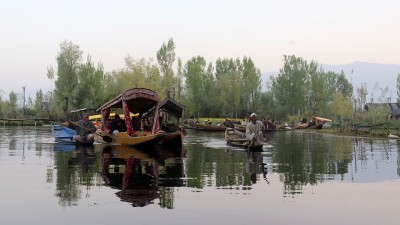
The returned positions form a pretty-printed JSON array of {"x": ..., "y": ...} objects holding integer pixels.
[
  {"x": 194, "y": 72},
  {"x": 13, "y": 98},
  {"x": 165, "y": 58},
  {"x": 38, "y": 102},
  {"x": 68, "y": 60},
  {"x": 90, "y": 86},
  {"x": 362, "y": 96},
  {"x": 398, "y": 88},
  {"x": 341, "y": 107},
  {"x": 251, "y": 84},
  {"x": 179, "y": 80},
  {"x": 291, "y": 85},
  {"x": 228, "y": 86}
]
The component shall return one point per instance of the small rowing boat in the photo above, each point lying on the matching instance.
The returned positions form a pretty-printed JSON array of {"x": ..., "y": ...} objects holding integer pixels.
[{"x": 236, "y": 138}]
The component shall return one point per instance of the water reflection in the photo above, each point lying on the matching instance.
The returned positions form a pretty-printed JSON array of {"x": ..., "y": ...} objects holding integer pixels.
[
  {"x": 255, "y": 166},
  {"x": 141, "y": 176},
  {"x": 307, "y": 169}
]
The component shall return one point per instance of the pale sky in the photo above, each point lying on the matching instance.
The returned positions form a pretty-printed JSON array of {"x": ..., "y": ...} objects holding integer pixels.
[{"x": 330, "y": 32}]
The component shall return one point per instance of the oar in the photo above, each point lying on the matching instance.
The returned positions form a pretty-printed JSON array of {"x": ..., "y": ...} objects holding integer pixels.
[
  {"x": 107, "y": 139},
  {"x": 251, "y": 143}
]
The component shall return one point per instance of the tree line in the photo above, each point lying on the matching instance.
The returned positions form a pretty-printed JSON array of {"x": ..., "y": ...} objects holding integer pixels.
[{"x": 228, "y": 87}]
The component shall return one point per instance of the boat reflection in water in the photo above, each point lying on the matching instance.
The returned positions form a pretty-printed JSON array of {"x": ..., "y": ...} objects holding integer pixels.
[
  {"x": 255, "y": 166},
  {"x": 83, "y": 156},
  {"x": 140, "y": 174}
]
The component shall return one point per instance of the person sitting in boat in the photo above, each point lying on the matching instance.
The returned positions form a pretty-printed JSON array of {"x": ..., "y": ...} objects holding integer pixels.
[
  {"x": 254, "y": 130},
  {"x": 136, "y": 123},
  {"x": 117, "y": 125},
  {"x": 84, "y": 129}
]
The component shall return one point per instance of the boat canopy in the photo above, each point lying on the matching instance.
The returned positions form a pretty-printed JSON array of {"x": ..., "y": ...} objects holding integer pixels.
[
  {"x": 98, "y": 116},
  {"x": 316, "y": 118},
  {"x": 136, "y": 100},
  {"x": 139, "y": 100},
  {"x": 172, "y": 107}
]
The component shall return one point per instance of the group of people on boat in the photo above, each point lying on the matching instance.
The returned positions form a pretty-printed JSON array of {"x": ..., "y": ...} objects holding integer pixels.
[
  {"x": 85, "y": 129},
  {"x": 118, "y": 125}
]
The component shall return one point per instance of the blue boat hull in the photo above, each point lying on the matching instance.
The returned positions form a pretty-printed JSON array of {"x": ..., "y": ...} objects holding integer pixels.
[{"x": 65, "y": 135}]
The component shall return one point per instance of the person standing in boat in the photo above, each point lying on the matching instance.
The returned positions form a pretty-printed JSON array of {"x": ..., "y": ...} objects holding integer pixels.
[
  {"x": 84, "y": 129},
  {"x": 254, "y": 130}
]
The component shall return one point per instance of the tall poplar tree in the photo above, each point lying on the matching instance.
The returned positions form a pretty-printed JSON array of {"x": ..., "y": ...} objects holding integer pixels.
[
  {"x": 165, "y": 58},
  {"x": 68, "y": 61},
  {"x": 194, "y": 72}
]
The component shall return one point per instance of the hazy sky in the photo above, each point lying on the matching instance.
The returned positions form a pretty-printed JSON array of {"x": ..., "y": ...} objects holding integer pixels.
[{"x": 330, "y": 32}]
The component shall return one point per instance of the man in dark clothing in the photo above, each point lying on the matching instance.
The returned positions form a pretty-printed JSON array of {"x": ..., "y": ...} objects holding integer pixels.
[
  {"x": 117, "y": 125},
  {"x": 84, "y": 129}
]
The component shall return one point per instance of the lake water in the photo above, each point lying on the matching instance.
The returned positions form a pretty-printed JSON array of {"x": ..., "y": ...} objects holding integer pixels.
[{"x": 300, "y": 178}]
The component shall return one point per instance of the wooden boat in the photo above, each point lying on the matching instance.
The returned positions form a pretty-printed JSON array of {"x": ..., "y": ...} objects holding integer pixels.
[
  {"x": 64, "y": 135},
  {"x": 393, "y": 136},
  {"x": 174, "y": 133},
  {"x": 240, "y": 127},
  {"x": 209, "y": 127},
  {"x": 236, "y": 138},
  {"x": 143, "y": 101}
]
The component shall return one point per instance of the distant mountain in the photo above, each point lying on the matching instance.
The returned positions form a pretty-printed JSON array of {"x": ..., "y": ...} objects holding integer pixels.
[{"x": 375, "y": 76}]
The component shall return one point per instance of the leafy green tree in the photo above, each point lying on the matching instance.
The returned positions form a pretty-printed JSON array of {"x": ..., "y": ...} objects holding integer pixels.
[
  {"x": 341, "y": 107},
  {"x": 194, "y": 72},
  {"x": 13, "y": 98},
  {"x": 228, "y": 86},
  {"x": 165, "y": 58},
  {"x": 318, "y": 91},
  {"x": 68, "y": 60},
  {"x": 343, "y": 85},
  {"x": 398, "y": 88},
  {"x": 291, "y": 85},
  {"x": 179, "y": 80},
  {"x": 137, "y": 73},
  {"x": 38, "y": 102},
  {"x": 209, "y": 105},
  {"x": 90, "y": 86},
  {"x": 251, "y": 84}
]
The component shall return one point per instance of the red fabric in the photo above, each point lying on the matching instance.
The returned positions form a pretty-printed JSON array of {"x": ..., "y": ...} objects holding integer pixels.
[
  {"x": 128, "y": 119},
  {"x": 130, "y": 163},
  {"x": 104, "y": 118},
  {"x": 156, "y": 121}
]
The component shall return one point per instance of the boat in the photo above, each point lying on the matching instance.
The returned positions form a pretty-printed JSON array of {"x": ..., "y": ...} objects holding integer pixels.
[
  {"x": 174, "y": 132},
  {"x": 64, "y": 135},
  {"x": 236, "y": 138},
  {"x": 322, "y": 123},
  {"x": 393, "y": 136},
  {"x": 145, "y": 130},
  {"x": 209, "y": 127}
]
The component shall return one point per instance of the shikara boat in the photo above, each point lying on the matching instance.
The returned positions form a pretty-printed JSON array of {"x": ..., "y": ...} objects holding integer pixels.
[
  {"x": 143, "y": 101},
  {"x": 236, "y": 138},
  {"x": 174, "y": 132},
  {"x": 64, "y": 135}
]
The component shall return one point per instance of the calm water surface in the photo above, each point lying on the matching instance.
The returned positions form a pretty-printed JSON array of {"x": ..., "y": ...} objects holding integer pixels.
[{"x": 299, "y": 178}]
